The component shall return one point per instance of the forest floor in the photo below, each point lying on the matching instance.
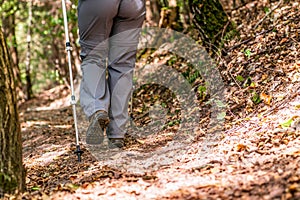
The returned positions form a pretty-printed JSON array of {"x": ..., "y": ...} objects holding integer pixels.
[{"x": 256, "y": 157}]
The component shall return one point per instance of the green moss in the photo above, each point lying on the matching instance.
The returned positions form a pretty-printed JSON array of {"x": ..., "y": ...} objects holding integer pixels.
[
  {"x": 8, "y": 183},
  {"x": 212, "y": 22}
]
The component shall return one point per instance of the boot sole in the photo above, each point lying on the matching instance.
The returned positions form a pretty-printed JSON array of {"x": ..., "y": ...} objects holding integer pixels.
[
  {"x": 95, "y": 132},
  {"x": 115, "y": 144}
]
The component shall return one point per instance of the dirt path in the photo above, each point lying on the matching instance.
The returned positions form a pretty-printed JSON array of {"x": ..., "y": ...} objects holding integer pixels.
[{"x": 256, "y": 159}]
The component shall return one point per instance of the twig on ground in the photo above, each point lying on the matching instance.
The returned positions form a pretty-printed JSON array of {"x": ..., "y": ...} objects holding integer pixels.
[{"x": 235, "y": 80}]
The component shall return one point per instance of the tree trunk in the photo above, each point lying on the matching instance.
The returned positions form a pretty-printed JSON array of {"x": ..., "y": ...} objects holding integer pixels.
[
  {"x": 169, "y": 17},
  {"x": 29, "y": 92},
  {"x": 11, "y": 169},
  {"x": 9, "y": 31},
  {"x": 211, "y": 21},
  {"x": 152, "y": 12}
]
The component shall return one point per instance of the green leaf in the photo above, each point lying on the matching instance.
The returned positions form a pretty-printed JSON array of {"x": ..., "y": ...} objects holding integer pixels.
[
  {"x": 256, "y": 98},
  {"x": 220, "y": 104},
  {"x": 247, "y": 82},
  {"x": 5, "y": 177},
  {"x": 267, "y": 10},
  {"x": 35, "y": 188},
  {"x": 247, "y": 53},
  {"x": 171, "y": 123},
  {"x": 287, "y": 123},
  {"x": 221, "y": 115},
  {"x": 240, "y": 78},
  {"x": 73, "y": 186},
  {"x": 202, "y": 89}
]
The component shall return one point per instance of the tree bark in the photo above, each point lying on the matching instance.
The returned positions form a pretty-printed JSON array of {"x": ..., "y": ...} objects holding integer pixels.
[
  {"x": 169, "y": 16},
  {"x": 29, "y": 92},
  {"x": 211, "y": 21},
  {"x": 152, "y": 12},
  {"x": 11, "y": 169},
  {"x": 9, "y": 31}
]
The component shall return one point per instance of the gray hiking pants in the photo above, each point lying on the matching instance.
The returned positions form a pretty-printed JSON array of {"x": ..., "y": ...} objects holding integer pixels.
[{"x": 109, "y": 32}]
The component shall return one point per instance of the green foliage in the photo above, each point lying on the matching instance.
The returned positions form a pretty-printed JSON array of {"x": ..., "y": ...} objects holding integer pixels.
[
  {"x": 48, "y": 55},
  {"x": 214, "y": 23},
  {"x": 287, "y": 123},
  {"x": 7, "y": 182},
  {"x": 194, "y": 76},
  {"x": 230, "y": 34},
  {"x": 221, "y": 115},
  {"x": 256, "y": 98},
  {"x": 35, "y": 188},
  {"x": 247, "y": 53},
  {"x": 239, "y": 78},
  {"x": 172, "y": 60},
  {"x": 267, "y": 10},
  {"x": 191, "y": 75},
  {"x": 174, "y": 122},
  {"x": 247, "y": 82},
  {"x": 220, "y": 104},
  {"x": 202, "y": 91},
  {"x": 8, "y": 8}
]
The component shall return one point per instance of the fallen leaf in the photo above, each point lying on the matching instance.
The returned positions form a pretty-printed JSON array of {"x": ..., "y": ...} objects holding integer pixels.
[
  {"x": 140, "y": 141},
  {"x": 294, "y": 187},
  {"x": 264, "y": 76},
  {"x": 283, "y": 40},
  {"x": 266, "y": 98},
  {"x": 287, "y": 123},
  {"x": 27, "y": 180},
  {"x": 85, "y": 185},
  {"x": 241, "y": 147}
]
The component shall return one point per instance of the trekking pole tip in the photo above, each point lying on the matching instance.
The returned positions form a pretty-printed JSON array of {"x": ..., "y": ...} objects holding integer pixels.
[{"x": 78, "y": 152}]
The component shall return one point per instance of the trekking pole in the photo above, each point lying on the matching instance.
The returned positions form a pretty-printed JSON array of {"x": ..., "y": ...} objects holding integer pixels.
[
  {"x": 78, "y": 151},
  {"x": 131, "y": 106}
]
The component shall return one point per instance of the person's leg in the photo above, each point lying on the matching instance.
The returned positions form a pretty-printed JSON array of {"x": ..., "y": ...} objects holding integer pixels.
[
  {"x": 95, "y": 20},
  {"x": 122, "y": 57}
]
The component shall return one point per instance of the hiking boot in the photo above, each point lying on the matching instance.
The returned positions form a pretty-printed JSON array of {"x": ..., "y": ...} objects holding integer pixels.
[
  {"x": 98, "y": 122},
  {"x": 116, "y": 143}
]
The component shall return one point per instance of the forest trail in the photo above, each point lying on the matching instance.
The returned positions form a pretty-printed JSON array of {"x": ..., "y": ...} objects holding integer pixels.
[
  {"x": 258, "y": 156},
  {"x": 256, "y": 159}
]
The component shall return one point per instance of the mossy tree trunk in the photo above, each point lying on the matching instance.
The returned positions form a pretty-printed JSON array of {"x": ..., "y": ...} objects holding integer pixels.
[
  {"x": 8, "y": 19},
  {"x": 11, "y": 168},
  {"x": 29, "y": 92},
  {"x": 211, "y": 21}
]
